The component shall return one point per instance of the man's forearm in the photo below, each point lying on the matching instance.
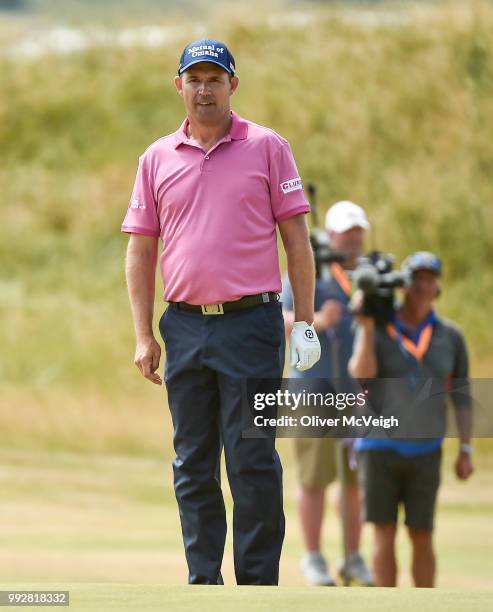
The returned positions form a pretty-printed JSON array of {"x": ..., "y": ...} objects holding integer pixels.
[
  {"x": 463, "y": 419},
  {"x": 363, "y": 363},
  {"x": 301, "y": 267},
  {"x": 302, "y": 278},
  {"x": 140, "y": 271}
]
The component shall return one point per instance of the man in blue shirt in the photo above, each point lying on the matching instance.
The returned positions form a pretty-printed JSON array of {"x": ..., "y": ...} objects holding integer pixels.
[
  {"x": 316, "y": 457},
  {"x": 415, "y": 345}
]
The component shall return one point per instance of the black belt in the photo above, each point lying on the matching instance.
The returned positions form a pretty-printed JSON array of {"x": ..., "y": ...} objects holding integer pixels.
[{"x": 218, "y": 309}]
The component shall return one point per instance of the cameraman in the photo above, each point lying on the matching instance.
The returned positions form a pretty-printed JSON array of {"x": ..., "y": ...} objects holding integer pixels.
[
  {"x": 415, "y": 343},
  {"x": 316, "y": 457}
]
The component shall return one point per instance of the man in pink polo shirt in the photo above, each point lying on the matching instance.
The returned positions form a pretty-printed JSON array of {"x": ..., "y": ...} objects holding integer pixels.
[{"x": 214, "y": 192}]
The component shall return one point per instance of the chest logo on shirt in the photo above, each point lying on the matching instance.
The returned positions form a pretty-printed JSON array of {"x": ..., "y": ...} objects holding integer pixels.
[
  {"x": 136, "y": 204},
  {"x": 292, "y": 185}
]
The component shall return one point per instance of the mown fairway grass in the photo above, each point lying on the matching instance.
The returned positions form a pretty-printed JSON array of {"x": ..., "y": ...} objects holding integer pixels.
[
  {"x": 134, "y": 598},
  {"x": 71, "y": 517}
]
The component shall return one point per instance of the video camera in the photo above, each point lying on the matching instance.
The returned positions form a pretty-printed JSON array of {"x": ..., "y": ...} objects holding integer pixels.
[{"x": 375, "y": 276}]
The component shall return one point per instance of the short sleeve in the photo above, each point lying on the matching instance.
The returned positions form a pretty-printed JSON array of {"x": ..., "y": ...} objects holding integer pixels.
[
  {"x": 286, "y": 294},
  {"x": 142, "y": 217},
  {"x": 287, "y": 196}
]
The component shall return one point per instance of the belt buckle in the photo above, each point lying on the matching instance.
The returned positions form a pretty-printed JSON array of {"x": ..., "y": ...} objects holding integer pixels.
[{"x": 212, "y": 309}]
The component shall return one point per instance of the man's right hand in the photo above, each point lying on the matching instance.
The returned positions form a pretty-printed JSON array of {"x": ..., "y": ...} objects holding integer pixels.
[
  {"x": 356, "y": 307},
  {"x": 147, "y": 356},
  {"x": 328, "y": 316}
]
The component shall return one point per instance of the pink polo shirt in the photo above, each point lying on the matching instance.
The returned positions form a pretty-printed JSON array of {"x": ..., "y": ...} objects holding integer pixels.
[{"x": 216, "y": 212}]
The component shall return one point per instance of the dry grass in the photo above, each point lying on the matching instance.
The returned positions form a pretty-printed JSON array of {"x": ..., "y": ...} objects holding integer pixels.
[{"x": 109, "y": 518}]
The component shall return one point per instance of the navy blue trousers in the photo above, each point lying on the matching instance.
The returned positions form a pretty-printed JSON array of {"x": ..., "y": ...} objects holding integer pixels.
[{"x": 208, "y": 358}]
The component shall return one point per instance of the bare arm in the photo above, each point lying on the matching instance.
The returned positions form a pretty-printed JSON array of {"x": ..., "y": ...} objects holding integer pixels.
[
  {"x": 463, "y": 408},
  {"x": 140, "y": 271},
  {"x": 363, "y": 362},
  {"x": 301, "y": 267},
  {"x": 463, "y": 419},
  {"x": 463, "y": 464}
]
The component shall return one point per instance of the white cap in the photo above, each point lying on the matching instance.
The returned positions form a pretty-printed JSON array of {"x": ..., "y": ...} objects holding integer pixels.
[{"x": 345, "y": 215}]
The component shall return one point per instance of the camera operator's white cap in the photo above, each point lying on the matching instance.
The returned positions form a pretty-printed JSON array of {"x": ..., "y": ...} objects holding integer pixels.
[{"x": 345, "y": 215}]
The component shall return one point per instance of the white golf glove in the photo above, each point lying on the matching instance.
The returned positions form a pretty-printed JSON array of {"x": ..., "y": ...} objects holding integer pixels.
[{"x": 304, "y": 346}]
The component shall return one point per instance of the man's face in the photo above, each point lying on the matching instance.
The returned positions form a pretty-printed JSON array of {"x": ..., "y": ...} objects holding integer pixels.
[
  {"x": 206, "y": 89},
  {"x": 424, "y": 288},
  {"x": 349, "y": 243}
]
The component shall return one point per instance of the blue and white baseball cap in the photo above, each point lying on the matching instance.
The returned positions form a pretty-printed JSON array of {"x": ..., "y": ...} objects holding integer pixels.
[
  {"x": 206, "y": 50},
  {"x": 422, "y": 260}
]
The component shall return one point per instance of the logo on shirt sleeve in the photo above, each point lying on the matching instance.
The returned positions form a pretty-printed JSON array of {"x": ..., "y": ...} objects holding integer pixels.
[
  {"x": 136, "y": 204},
  {"x": 292, "y": 185}
]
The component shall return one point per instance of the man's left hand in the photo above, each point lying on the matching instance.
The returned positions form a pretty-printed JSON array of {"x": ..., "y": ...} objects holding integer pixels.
[
  {"x": 305, "y": 346},
  {"x": 463, "y": 466}
]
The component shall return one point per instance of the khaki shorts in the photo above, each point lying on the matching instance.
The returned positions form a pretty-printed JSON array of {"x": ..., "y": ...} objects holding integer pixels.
[{"x": 317, "y": 462}]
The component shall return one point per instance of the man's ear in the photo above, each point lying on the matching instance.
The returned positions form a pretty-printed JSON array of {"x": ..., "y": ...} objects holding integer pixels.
[
  {"x": 439, "y": 291},
  {"x": 178, "y": 85},
  {"x": 235, "y": 81}
]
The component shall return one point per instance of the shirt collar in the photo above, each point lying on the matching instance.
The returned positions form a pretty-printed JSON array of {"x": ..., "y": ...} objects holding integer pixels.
[
  {"x": 415, "y": 333},
  {"x": 237, "y": 131}
]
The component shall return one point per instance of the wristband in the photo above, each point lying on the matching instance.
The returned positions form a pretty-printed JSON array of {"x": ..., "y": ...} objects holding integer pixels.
[{"x": 466, "y": 448}]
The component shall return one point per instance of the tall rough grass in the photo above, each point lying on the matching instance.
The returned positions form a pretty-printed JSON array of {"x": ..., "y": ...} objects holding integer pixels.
[{"x": 395, "y": 116}]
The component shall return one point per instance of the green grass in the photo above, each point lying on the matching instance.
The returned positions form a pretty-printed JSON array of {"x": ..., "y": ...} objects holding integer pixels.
[
  {"x": 103, "y": 597},
  {"x": 395, "y": 117},
  {"x": 392, "y": 116},
  {"x": 108, "y": 11},
  {"x": 90, "y": 518}
]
